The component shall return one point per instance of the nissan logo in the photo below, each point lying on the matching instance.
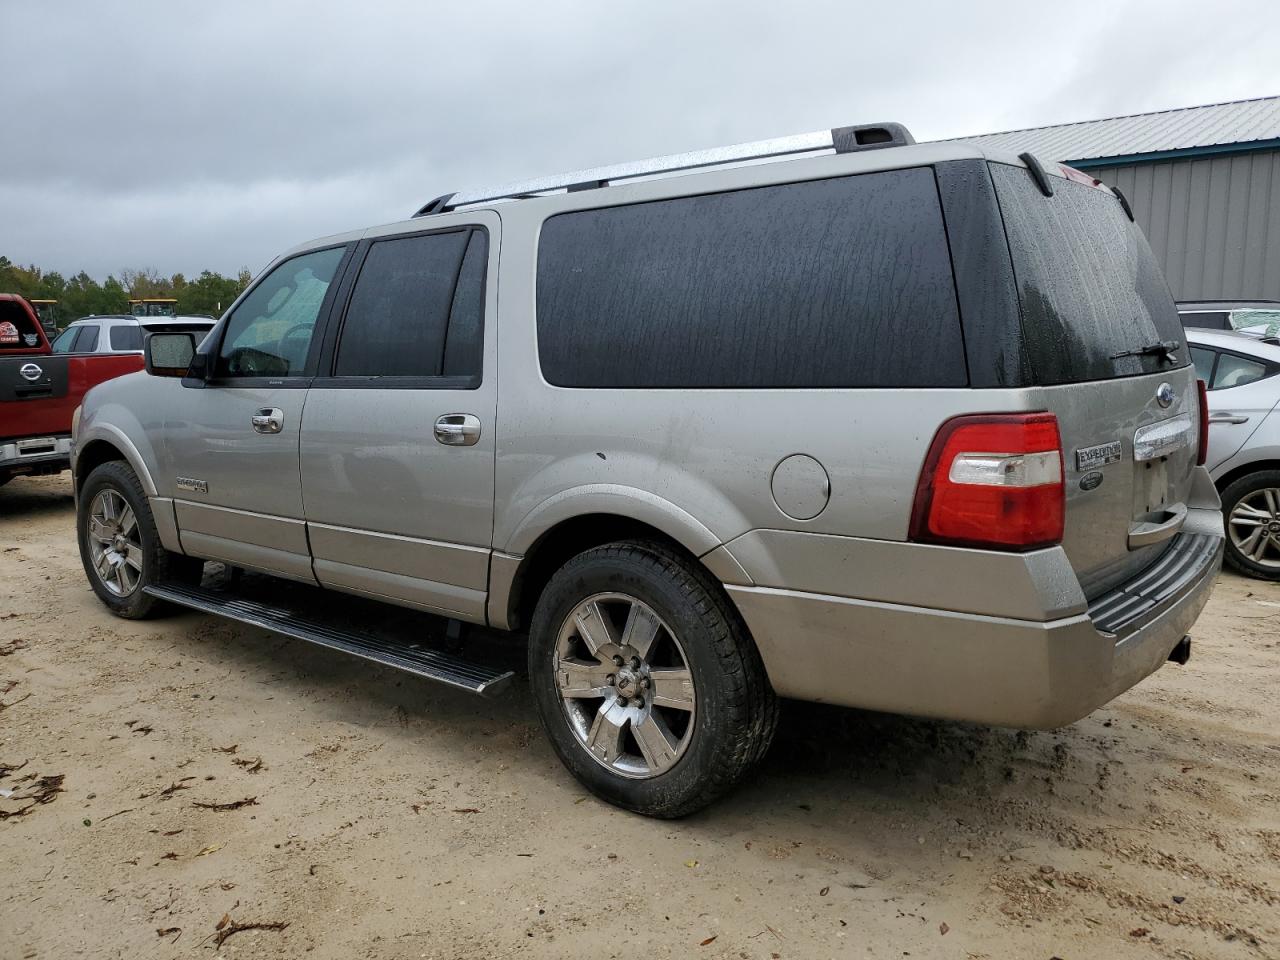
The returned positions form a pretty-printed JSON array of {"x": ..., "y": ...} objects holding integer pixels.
[
  {"x": 1164, "y": 394},
  {"x": 29, "y": 371}
]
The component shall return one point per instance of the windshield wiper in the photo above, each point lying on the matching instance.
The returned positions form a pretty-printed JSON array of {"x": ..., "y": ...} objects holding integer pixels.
[{"x": 1164, "y": 349}]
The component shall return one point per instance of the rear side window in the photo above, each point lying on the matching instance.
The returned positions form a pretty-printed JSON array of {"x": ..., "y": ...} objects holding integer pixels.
[
  {"x": 416, "y": 308},
  {"x": 126, "y": 338},
  {"x": 1090, "y": 288},
  {"x": 1236, "y": 371},
  {"x": 829, "y": 283}
]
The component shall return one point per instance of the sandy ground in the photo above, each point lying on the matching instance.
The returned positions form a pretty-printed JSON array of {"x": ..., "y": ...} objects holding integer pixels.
[{"x": 396, "y": 819}]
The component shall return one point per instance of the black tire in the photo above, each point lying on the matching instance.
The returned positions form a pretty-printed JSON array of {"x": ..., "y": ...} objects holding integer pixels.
[
  {"x": 1251, "y": 485},
  {"x": 158, "y": 564},
  {"x": 736, "y": 710}
]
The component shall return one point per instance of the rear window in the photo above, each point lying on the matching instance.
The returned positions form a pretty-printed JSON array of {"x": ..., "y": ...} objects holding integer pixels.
[
  {"x": 830, "y": 283},
  {"x": 1089, "y": 285}
]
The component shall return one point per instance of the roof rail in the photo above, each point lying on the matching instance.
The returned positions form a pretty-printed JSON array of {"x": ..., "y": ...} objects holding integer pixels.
[{"x": 867, "y": 136}]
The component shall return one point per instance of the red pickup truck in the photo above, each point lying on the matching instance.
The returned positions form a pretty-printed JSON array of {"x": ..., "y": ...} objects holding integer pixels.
[{"x": 40, "y": 390}]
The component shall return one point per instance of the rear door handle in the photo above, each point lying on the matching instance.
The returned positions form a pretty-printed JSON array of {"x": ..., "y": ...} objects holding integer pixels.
[
  {"x": 458, "y": 430},
  {"x": 268, "y": 420},
  {"x": 1228, "y": 418}
]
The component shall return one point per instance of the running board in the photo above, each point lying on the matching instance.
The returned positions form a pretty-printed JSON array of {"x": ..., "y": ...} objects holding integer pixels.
[{"x": 420, "y": 661}]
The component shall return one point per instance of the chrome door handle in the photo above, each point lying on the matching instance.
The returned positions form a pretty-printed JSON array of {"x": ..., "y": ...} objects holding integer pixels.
[
  {"x": 1227, "y": 418},
  {"x": 458, "y": 429},
  {"x": 268, "y": 420}
]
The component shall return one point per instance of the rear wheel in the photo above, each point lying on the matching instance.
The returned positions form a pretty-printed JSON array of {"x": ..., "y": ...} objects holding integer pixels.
[
  {"x": 1251, "y": 506},
  {"x": 646, "y": 681},
  {"x": 120, "y": 546}
]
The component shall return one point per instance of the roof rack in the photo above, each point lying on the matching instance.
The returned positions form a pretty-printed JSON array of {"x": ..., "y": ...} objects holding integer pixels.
[{"x": 870, "y": 136}]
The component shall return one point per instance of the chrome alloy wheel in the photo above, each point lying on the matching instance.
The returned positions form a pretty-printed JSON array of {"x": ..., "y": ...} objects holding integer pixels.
[
  {"x": 1254, "y": 526},
  {"x": 115, "y": 545},
  {"x": 625, "y": 685}
]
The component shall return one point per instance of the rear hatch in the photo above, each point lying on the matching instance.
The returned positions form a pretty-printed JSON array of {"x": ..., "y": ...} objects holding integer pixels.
[{"x": 1103, "y": 339}]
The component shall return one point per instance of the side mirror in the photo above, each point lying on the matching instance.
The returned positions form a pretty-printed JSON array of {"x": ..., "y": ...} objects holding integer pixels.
[{"x": 168, "y": 354}]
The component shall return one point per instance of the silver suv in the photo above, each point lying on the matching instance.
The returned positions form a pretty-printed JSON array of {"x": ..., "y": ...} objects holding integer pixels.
[{"x": 895, "y": 426}]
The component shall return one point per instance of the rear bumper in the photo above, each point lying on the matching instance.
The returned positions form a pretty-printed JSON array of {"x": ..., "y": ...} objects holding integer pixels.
[
  {"x": 997, "y": 670},
  {"x": 35, "y": 455}
]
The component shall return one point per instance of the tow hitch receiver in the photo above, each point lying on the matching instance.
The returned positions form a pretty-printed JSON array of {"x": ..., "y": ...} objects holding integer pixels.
[{"x": 1181, "y": 653}]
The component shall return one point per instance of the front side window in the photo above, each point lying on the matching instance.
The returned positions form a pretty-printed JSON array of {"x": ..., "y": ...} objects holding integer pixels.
[
  {"x": 270, "y": 333},
  {"x": 416, "y": 310},
  {"x": 66, "y": 340},
  {"x": 843, "y": 282}
]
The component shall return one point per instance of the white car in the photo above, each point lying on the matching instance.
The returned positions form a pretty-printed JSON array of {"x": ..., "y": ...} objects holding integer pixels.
[
  {"x": 1244, "y": 442},
  {"x": 110, "y": 333}
]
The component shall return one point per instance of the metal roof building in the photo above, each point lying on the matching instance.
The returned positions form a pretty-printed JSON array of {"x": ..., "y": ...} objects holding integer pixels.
[{"x": 1204, "y": 183}]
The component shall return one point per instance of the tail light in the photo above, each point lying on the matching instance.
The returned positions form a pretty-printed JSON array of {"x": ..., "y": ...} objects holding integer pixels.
[
  {"x": 1202, "y": 394},
  {"x": 992, "y": 481}
]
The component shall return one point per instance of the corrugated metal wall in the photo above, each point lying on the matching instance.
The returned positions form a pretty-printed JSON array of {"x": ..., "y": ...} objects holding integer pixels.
[{"x": 1213, "y": 222}]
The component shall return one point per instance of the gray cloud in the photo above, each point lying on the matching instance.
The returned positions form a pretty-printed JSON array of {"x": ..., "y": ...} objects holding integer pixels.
[{"x": 183, "y": 136}]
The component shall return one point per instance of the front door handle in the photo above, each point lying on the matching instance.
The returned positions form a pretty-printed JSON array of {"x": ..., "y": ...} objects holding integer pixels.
[
  {"x": 458, "y": 430},
  {"x": 268, "y": 420},
  {"x": 1228, "y": 418}
]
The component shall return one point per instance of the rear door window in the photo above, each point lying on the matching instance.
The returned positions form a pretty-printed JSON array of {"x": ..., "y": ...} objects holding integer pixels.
[
  {"x": 1091, "y": 290},
  {"x": 416, "y": 309},
  {"x": 843, "y": 282},
  {"x": 87, "y": 341}
]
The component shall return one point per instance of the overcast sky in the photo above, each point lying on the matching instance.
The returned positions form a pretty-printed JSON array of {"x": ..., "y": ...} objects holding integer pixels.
[{"x": 185, "y": 136}]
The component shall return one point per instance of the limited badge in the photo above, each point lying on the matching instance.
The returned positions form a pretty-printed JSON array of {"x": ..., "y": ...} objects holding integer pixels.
[{"x": 1090, "y": 458}]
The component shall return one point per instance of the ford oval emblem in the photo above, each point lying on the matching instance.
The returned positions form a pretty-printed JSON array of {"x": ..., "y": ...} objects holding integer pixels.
[
  {"x": 30, "y": 371},
  {"x": 1165, "y": 395},
  {"x": 1091, "y": 481}
]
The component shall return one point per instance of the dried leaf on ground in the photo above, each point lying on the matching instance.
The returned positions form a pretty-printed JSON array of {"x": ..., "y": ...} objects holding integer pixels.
[
  {"x": 232, "y": 805},
  {"x": 234, "y": 927},
  {"x": 211, "y": 848},
  {"x": 230, "y": 749},
  {"x": 166, "y": 931},
  {"x": 250, "y": 766},
  {"x": 467, "y": 810},
  {"x": 708, "y": 941}
]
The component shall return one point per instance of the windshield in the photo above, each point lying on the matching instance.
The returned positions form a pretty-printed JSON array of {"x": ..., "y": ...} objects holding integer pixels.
[{"x": 1092, "y": 294}]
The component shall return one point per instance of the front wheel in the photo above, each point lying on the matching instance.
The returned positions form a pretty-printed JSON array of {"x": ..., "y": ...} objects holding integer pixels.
[
  {"x": 120, "y": 546},
  {"x": 646, "y": 681}
]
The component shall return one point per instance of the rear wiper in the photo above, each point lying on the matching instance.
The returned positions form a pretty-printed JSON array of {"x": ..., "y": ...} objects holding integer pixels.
[{"x": 1164, "y": 349}]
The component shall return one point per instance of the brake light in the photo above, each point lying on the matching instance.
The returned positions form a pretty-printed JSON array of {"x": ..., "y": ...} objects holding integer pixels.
[
  {"x": 992, "y": 481},
  {"x": 1202, "y": 394}
]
